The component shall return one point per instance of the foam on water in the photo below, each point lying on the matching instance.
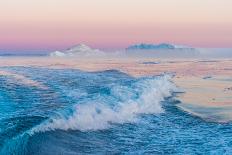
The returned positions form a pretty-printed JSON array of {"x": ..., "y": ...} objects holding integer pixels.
[{"x": 98, "y": 114}]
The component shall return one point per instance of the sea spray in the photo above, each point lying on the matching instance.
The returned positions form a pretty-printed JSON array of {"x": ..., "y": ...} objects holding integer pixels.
[{"x": 144, "y": 97}]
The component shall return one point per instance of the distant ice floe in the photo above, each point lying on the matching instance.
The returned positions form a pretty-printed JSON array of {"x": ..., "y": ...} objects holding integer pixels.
[
  {"x": 80, "y": 50},
  {"x": 207, "y": 77}
]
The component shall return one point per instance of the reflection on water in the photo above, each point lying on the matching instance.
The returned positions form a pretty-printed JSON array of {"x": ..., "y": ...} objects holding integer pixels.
[{"x": 209, "y": 98}]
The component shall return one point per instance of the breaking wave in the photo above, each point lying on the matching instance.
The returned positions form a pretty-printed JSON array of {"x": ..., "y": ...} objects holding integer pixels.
[{"x": 123, "y": 105}]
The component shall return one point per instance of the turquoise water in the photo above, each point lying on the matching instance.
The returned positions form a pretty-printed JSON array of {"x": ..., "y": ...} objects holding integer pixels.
[{"x": 108, "y": 112}]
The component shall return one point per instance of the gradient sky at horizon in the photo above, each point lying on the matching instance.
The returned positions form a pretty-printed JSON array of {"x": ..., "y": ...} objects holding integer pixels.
[{"x": 58, "y": 24}]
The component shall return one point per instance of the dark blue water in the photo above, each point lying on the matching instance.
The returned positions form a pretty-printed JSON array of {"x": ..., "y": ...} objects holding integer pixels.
[{"x": 65, "y": 111}]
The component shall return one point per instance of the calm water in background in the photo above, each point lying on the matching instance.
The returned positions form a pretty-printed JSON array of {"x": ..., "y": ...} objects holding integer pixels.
[{"x": 100, "y": 112}]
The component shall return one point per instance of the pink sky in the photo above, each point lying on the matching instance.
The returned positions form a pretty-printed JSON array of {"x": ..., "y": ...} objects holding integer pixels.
[{"x": 58, "y": 24}]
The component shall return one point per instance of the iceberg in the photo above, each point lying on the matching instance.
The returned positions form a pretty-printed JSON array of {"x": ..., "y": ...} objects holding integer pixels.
[
  {"x": 57, "y": 54},
  {"x": 144, "y": 46},
  {"x": 80, "y": 50}
]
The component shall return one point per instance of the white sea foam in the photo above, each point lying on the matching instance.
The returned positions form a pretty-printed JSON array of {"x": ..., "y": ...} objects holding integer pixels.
[{"x": 95, "y": 115}]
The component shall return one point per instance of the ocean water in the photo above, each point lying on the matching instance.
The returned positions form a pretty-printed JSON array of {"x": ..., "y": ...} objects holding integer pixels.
[{"x": 65, "y": 111}]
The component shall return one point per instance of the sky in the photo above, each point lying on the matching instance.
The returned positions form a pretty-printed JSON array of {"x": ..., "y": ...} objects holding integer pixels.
[{"x": 106, "y": 24}]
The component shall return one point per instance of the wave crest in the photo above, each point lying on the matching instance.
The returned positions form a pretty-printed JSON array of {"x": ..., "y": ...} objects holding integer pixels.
[{"x": 144, "y": 96}]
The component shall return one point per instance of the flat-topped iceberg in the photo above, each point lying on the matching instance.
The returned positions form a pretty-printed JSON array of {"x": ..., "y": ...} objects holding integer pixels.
[
  {"x": 163, "y": 50},
  {"x": 144, "y": 46}
]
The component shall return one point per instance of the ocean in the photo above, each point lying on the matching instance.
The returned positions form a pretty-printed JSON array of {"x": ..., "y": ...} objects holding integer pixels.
[{"x": 68, "y": 111}]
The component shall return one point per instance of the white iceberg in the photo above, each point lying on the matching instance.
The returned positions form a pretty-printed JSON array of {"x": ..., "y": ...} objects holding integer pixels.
[
  {"x": 144, "y": 46},
  {"x": 80, "y": 50},
  {"x": 57, "y": 54}
]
